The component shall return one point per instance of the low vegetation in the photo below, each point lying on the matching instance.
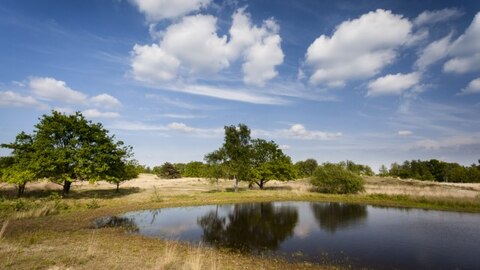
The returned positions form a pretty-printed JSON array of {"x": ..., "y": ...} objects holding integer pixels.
[{"x": 335, "y": 178}]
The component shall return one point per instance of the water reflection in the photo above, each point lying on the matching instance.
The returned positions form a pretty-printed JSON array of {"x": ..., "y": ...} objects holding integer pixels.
[
  {"x": 334, "y": 216},
  {"x": 249, "y": 227},
  {"x": 114, "y": 221}
]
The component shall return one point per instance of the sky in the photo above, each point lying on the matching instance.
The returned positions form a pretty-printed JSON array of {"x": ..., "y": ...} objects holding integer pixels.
[{"x": 375, "y": 82}]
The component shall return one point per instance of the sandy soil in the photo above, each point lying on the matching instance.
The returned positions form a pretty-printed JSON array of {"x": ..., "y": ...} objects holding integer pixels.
[{"x": 373, "y": 185}]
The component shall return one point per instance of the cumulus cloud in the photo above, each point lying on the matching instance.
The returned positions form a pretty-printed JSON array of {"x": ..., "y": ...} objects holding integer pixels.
[
  {"x": 94, "y": 113},
  {"x": 437, "y": 16},
  {"x": 434, "y": 52},
  {"x": 405, "y": 132},
  {"x": 51, "y": 89},
  {"x": 358, "y": 48},
  {"x": 12, "y": 99},
  {"x": 393, "y": 84},
  {"x": 152, "y": 64},
  {"x": 157, "y": 10},
  {"x": 174, "y": 127},
  {"x": 192, "y": 46},
  {"x": 300, "y": 132},
  {"x": 463, "y": 53},
  {"x": 105, "y": 100},
  {"x": 472, "y": 88}
]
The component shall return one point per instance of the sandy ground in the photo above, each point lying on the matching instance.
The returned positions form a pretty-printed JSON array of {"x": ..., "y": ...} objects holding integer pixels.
[{"x": 373, "y": 185}]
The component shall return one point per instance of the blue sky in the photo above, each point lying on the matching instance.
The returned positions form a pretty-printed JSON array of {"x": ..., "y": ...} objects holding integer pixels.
[{"x": 370, "y": 81}]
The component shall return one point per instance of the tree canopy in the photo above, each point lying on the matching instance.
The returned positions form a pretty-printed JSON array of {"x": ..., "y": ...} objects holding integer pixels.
[
  {"x": 255, "y": 160},
  {"x": 67, "y": 148}
]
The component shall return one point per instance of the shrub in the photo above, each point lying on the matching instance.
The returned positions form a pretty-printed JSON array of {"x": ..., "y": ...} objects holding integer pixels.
[{"x": 333, "y": 178}]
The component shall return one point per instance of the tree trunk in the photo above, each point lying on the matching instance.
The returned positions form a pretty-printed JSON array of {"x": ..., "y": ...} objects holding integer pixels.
[
  {"x": 236, "y": 183},
  {"x": 66, "y": 188},
  {"x": 118, "y": 184},
  {"x": 261, "y": 184},
  {"x": 21, "y": 189}
]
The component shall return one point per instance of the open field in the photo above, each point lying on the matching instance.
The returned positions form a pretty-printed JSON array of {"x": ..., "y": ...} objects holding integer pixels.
[{"x": 43, "y": 231}]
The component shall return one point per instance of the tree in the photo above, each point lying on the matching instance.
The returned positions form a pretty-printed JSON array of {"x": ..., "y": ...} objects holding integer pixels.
[
  {"x": 22, "y": 166},
  {"x": 69, "y": 148},
  {"x": 383, "y": 171},
  {"x": 195, "y": 169},
  {"x": 269, "y": 162},
  {"x": 334, "y": 178},
  {"x": 123, "y": 170},
  {"x": 168, "y": 171},
  {"x": 306, "y": 168},
  {"x": 234, "y": 153}
]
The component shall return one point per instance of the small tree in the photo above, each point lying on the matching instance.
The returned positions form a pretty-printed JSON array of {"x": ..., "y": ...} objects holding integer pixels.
[
  {"x": 269, "y": 162},
  {"x": 168, "y": 171},
  {"x": 383, "y": 171},
  {"x": 334, "y": 178},
  {"x": 234, "y": 153},
  {"x": 124, "y": 171},
  {"x": 22, "y": 166}
]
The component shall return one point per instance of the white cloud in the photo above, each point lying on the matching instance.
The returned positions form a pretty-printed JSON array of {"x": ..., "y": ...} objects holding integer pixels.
[
  {"x": 180, "y": 127},
  {"x": 157, "y": 10},
  {"x": 300, "y": 132},
  {"x": 12, "y": 99},
  {"x": 447, "y": 142},
  {"x": 358, "y": 48},
  {"x": 463, "y": 64},
  {"x": 228, "y": 94},
  {"x": 437, "y": 16},
  {"x": 94, "y": 113},
  {"x": 284, "y": 147},
  {"x": 472, "y": 88},
  {"x": 192, "y": 47},
  {"x": 405, "y": 132},
  {"x": 434, "y": 52},
  {"x": 51, "y": 89},
  {"x": 393, "y": 84},
  {"x": 105, "y": 100},
  {"x": 151, "y": 63},
  {"x": 174, "y": 127},
  {"x": 463, "y": 53}
]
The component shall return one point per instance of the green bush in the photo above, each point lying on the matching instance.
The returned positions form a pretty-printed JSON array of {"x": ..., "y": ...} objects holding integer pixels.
[{"x": 333, "y": 178}]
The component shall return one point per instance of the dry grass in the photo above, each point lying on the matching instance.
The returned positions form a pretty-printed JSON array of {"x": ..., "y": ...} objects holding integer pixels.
[
  {"x": 3, "y": 229},
  {"x": 36, "y": 239}
]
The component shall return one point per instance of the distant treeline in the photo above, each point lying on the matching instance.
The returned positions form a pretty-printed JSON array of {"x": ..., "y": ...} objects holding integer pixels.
[
  {"x": 434, "y": 170},
  {"x": 302, "y": 169}
]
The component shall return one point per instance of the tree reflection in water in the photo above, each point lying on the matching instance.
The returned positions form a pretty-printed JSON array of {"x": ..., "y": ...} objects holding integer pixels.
[
  {"x": 114, "y": 221},
  {"x": 334, "y": 216},
  {"x": 249, "y": 227}
]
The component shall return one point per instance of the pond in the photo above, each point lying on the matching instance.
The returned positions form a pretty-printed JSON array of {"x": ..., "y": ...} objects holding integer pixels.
[{"x": 356, "y": 235}]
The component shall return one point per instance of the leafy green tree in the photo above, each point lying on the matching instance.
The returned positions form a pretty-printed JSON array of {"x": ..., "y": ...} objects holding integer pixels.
[
  {"x": 234, "y": 153},
  {"x": 70, "y": 148},
  {"x": 306, "y": 168},
  {"x": 22, "y": 166},
  {"x": 168, "y": 171},
  {"x": 269, "y": 163},
  {"x": 123, "y": 170},
  {"x": 195, "y": 169},
  {"x": 334, "y": 178}
]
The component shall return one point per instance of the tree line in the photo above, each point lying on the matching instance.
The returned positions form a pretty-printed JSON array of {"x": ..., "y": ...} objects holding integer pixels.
[{"x": 433, "y": 170}]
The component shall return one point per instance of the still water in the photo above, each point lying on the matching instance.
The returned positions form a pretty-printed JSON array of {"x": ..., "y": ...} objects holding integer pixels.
[{"x": 356, "y": 235}]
